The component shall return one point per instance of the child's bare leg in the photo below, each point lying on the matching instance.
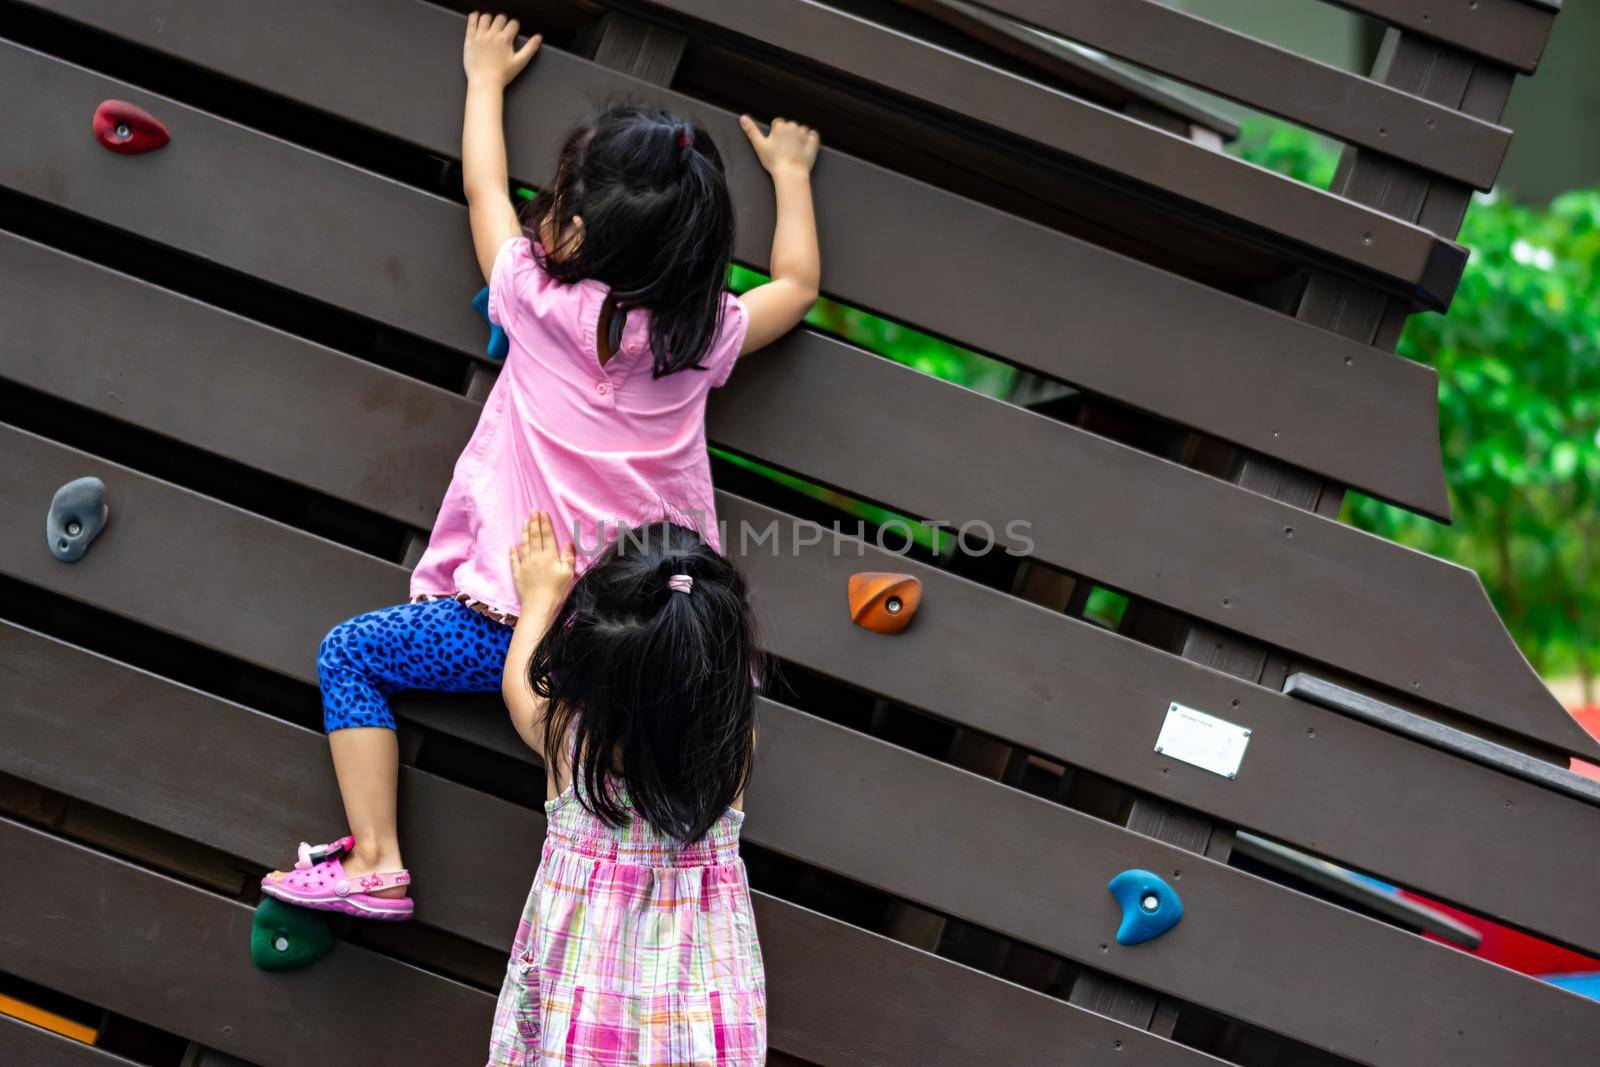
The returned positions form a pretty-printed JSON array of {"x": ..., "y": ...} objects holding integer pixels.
[
  {"x": 437, "y": 645},
  {"x": 366, "y": 760}
]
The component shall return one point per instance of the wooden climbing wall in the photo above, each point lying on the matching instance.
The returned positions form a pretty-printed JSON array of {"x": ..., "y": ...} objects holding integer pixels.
[{"x": 259, "y": 338}]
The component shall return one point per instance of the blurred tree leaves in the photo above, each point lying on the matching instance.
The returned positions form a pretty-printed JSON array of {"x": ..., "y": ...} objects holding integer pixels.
[{"x": 1518, "y": 358}]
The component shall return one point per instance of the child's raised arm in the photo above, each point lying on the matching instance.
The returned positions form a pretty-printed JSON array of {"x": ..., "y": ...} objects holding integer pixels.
[
  {"x": 543, "y": 571},
  {"x": 491, "y": 60},
  {"x": 787, "y": 152}
]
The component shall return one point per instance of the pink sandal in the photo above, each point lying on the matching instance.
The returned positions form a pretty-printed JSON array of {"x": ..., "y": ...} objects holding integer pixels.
[{"x": 319, "y": 882}]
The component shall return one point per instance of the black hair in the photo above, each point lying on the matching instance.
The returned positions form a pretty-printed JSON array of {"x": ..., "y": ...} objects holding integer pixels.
[
  {"x": 657, "y": 225},
  {"x": 654, "y": 688}
]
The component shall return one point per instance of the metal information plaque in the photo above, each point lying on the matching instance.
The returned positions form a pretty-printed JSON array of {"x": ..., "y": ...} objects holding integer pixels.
[{"x": 1202, "y": 740}]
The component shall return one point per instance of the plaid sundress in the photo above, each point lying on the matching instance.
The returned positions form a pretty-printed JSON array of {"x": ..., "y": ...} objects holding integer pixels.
[{"x": 633, "y": 950}]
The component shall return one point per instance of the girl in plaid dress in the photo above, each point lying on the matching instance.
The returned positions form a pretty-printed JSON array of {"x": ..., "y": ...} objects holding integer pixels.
[{"x": 636, "y": 683}]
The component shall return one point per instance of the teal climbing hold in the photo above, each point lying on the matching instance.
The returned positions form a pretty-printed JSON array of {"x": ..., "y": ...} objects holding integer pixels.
[
  {"x": 499, "y": 344},
  {"x": 284, "y": 937},
  {"x": 1150, "y": 907}
]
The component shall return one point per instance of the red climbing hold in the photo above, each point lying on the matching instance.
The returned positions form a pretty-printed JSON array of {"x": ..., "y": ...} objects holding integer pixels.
[{"x": 124, "y": 128}]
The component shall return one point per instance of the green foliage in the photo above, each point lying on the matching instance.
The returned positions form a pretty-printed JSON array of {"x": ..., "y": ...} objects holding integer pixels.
[
  {"x": 900, "y": 343},
  {"x": 1302, "y": 155},
  {"x": 1518, "y": 358}
]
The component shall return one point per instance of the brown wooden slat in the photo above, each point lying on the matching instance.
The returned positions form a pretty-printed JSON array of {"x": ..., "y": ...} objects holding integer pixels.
[
  {"x": 1076, "y": 692},
  {"x": 110, "y": 933},
  {"x": 641, "y": 49},
  {"x": 247, "y": 202},
  {"x": 788, "y": 407},
  {"x": 1511, "y": 32},
  {"x": 828, "y": 778},
  {"x": 1032, "y": 659},
  {"x": 1242, "y": 949},
  {"x": 1148, "y": 527},
  {"x": 26, "y": 1045},
  {"x": 1346, "y": 106},
  {"x": 838, "y": 994},
  {"x": 1176, "y": 166},
  {"x": 974, "y": 30},
  {"x": 1152, "y": 339},
  {"x": 84, "y": 352},
  {"x": 1116, "y": 997}
]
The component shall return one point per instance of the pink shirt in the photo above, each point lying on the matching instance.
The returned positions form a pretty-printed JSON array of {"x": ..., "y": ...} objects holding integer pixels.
[{"x": 595, "y": 446}]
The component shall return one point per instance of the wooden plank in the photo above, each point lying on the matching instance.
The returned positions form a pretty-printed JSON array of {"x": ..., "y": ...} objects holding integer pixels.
[
  {"x": 1074, "y": 691},
  {"x": 1061, "y": 64},
  {"x": 1113, "y": 996},
  {"x": 1246, "y": 558},
  {"x": 1102, "y": 531},
  {"x": 1154, "y": 340},
  {"x": 249, "y": 203},
  {"x": 268, "y": 394},
  {"x": 888, "y": 1003},
  {"x": 837, "y": 993},
  {"x": 797, "y": 809},
  {"x": 78, "y": 357},
  {"x": 892, "y": 61},
  {"x": 640, "y": 49},
  {"x": 110, "y": 933},
  {"x": 1510, "y": 32},
  {"x": 1037, "y": 657},
  {"x": 76, "y": 353},
  {"x": 27, "y": 1045},
  {"x": 1348, "y": 107}
]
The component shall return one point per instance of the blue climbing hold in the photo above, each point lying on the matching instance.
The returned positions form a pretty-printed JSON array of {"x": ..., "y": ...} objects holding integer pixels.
[
  {"x": 499, "y": 344},
  {"x": 77, "y": 514},
  {"x": 1150, "y": 907}
]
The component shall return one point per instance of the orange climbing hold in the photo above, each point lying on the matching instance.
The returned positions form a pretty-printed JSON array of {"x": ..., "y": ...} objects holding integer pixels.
[{"x": 884, "y": 602}]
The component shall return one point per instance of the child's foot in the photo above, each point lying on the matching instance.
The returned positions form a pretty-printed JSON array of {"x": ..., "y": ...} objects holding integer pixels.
[
  {"x": 364, "y": 863},
  {"x": 354, "y": 882}
]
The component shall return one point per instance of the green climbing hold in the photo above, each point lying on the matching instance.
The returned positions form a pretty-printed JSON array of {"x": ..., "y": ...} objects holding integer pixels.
[{"x": 284, "y": 937}]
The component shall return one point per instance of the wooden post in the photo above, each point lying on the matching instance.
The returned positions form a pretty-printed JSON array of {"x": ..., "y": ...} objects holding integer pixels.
[{"x": 642, "y": 49}]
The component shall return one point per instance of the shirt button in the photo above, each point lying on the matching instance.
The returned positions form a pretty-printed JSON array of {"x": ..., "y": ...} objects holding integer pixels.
[{"x": 602, "y": 388}]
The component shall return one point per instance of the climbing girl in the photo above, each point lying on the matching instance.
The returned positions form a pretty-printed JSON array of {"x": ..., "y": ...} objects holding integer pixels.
[
  {"x": 618, "y": 327},
  {"x": 635, "y": 683}
]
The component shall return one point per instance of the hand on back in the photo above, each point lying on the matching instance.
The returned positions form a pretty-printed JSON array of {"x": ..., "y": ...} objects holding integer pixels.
[
  {"x": 490, "y": 52},
  {"x": 787, "y": 145},
  {"x": 541, "y": 568}
]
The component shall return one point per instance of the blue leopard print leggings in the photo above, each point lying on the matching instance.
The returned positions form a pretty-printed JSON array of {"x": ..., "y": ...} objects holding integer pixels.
[{"x": 438, "y": 645}]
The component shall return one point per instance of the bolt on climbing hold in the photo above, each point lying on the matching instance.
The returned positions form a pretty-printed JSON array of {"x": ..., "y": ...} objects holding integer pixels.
[
  {"x": 884, "y": 602},
  {"x": 284, "y": 937},
  {"x": 1150, "y": 907},
  {"x": 123, "y": 127},
  {"x": 499, "y": 344},
  {"x": 78, "y": 513}
]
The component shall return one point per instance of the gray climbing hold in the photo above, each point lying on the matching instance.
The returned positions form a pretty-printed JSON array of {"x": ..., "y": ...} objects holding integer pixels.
[{"x": 77, "y": 515}]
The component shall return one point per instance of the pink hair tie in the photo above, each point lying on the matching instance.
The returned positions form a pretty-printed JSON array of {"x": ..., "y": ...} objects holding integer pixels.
[
  {"x": 685, "y": 139},
  {"x": 681, "y": 583}
]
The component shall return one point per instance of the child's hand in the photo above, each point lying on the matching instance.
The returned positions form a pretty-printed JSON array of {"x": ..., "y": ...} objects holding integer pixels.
[
  {"x": 490, "y": 53},
  {"x": 788, "y": 145},
  {"x": 541, "y": 569}
]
